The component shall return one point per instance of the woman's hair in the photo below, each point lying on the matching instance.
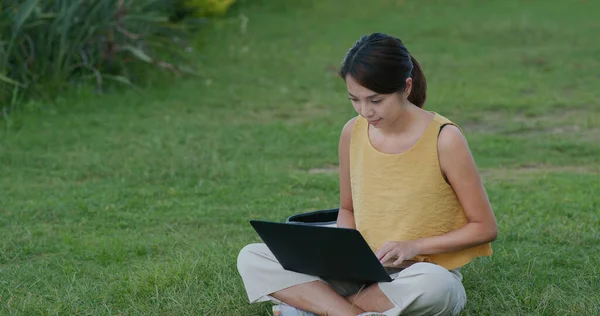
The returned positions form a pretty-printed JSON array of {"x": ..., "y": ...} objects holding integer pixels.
[{"x": 381, "y": 63}]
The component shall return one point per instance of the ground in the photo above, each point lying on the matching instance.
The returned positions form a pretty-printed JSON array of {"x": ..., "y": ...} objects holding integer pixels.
[{"x": 129, "y": 203}]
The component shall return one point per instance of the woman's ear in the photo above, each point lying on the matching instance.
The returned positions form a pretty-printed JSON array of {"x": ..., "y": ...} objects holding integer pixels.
[{"x": 408, "y": 88}]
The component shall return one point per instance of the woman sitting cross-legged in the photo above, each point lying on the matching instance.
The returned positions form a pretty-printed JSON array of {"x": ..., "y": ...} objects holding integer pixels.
[{"x": 408, "y": 184}]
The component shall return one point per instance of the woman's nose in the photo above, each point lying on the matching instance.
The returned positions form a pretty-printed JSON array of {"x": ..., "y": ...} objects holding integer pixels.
[{"x": 366, "y": 110}]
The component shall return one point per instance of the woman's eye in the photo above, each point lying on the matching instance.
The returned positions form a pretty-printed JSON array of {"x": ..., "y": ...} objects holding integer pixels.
[
  {"x": 353, "y": 100},
  {"x": 376, "y": 101}
]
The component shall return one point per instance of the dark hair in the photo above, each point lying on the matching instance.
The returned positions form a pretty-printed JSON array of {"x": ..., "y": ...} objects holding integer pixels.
[{"x": 382, "y": 63}]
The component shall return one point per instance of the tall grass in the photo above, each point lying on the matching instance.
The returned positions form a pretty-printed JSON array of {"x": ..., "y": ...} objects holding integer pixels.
[{"x": 54, "y": 43}]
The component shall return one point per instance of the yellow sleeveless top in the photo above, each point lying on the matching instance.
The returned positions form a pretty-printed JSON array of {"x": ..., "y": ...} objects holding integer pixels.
[{"x": 401, "y": 197}]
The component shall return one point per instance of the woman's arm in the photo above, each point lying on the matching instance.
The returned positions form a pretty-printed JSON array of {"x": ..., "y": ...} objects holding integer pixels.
[
  {"x": 459, "y": 168},
  {"x": 346, "y": 213}
]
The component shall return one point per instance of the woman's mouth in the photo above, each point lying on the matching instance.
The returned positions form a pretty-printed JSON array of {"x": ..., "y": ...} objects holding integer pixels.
[{"x": 374, "y": 122}]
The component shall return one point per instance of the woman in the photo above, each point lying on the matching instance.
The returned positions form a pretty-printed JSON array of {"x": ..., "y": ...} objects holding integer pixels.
[{"x": 408, "y": 183}]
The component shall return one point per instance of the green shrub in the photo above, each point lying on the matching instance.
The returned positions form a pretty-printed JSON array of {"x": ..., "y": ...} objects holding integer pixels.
[{"x": 48, "y": 44}]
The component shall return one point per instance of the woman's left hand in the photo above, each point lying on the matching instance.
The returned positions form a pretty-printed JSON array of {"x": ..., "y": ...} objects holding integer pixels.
[{"x": 403, "y": 250}]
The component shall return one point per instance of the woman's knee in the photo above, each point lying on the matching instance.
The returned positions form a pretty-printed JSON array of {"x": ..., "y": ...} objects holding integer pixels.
[
  {"x": 248, "y": 255},
  {"x": 440, "y": 292}
]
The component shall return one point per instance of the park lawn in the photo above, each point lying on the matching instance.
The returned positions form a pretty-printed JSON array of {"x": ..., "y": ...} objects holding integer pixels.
[{"x": 127, "y": 204}]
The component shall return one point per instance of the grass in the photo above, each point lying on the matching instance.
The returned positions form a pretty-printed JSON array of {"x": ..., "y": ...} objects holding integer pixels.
[{"x": 126, "y": 204}]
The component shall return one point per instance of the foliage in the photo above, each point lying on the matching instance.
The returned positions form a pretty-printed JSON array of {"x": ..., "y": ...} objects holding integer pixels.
[{"x": 55, "y": 43}]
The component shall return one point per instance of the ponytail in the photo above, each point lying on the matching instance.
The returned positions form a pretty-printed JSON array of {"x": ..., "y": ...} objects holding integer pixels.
[{"x": 418, "y": 93}]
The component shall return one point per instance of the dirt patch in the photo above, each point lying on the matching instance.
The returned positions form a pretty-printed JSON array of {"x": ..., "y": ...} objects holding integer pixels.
[
  {"x": 535, "y": 170},
  {"x": 581, "y": 123},
  {"x": 489, "y": 122},
  {"x": 287, "y": 113},
  {"x": 332, "y": 69},
  {"x": 325, "y": 169},
  {"x": 535, "y": 61},
  {"x": 502, "y": 173}
]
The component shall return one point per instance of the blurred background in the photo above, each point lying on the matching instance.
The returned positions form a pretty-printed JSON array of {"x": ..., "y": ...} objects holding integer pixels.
[{"x": 137, "y": 138}]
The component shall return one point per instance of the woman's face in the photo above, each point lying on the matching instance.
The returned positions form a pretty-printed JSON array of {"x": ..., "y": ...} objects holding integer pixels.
[{"x": 379, "y": 109}]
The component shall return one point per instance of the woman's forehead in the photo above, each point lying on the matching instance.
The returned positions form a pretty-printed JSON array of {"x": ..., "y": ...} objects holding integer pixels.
[{"x": 357, "y": 89}]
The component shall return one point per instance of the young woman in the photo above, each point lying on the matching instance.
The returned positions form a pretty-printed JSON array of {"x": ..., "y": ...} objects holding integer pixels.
[{"x": 408, "y": 183}]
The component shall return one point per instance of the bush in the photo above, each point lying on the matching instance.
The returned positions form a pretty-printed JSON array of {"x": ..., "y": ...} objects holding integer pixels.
[{"x": 51, "y": 43}]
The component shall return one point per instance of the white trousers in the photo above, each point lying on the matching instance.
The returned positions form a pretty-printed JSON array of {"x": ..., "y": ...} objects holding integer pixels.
[{"x": 421, "y": 289}]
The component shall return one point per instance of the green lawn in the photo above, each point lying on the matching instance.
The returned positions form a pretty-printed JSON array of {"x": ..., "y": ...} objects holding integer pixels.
[{"x": 127, "y": 204}]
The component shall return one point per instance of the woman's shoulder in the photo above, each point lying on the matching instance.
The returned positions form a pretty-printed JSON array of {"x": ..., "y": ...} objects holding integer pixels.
[
  {"x": 349, "y": 126},
  {"x": 350, "y": 131},
  {"x": 442, "y": 119},
  {"x": 449, "y": 134},
  {"x": 445, "y": 123}
]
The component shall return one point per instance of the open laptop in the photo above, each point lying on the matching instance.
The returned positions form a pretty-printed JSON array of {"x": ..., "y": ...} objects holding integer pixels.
[{"x": 328, "y": 252}]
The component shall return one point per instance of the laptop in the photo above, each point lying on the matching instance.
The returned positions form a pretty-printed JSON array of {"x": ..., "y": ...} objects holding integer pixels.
[{"x": 327, "y": 252}]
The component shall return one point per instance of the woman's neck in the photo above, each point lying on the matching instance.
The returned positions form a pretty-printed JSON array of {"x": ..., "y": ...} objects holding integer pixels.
[{"x": 405, "y": 122}]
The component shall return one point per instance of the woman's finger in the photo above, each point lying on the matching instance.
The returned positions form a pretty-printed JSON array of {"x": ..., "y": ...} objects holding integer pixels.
[
  {"x": 387, "y": 247},
  {"x": 399, "y": 261},
  {"x": 382, "y": 251},
  {"x": 387, "y": 257}
]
